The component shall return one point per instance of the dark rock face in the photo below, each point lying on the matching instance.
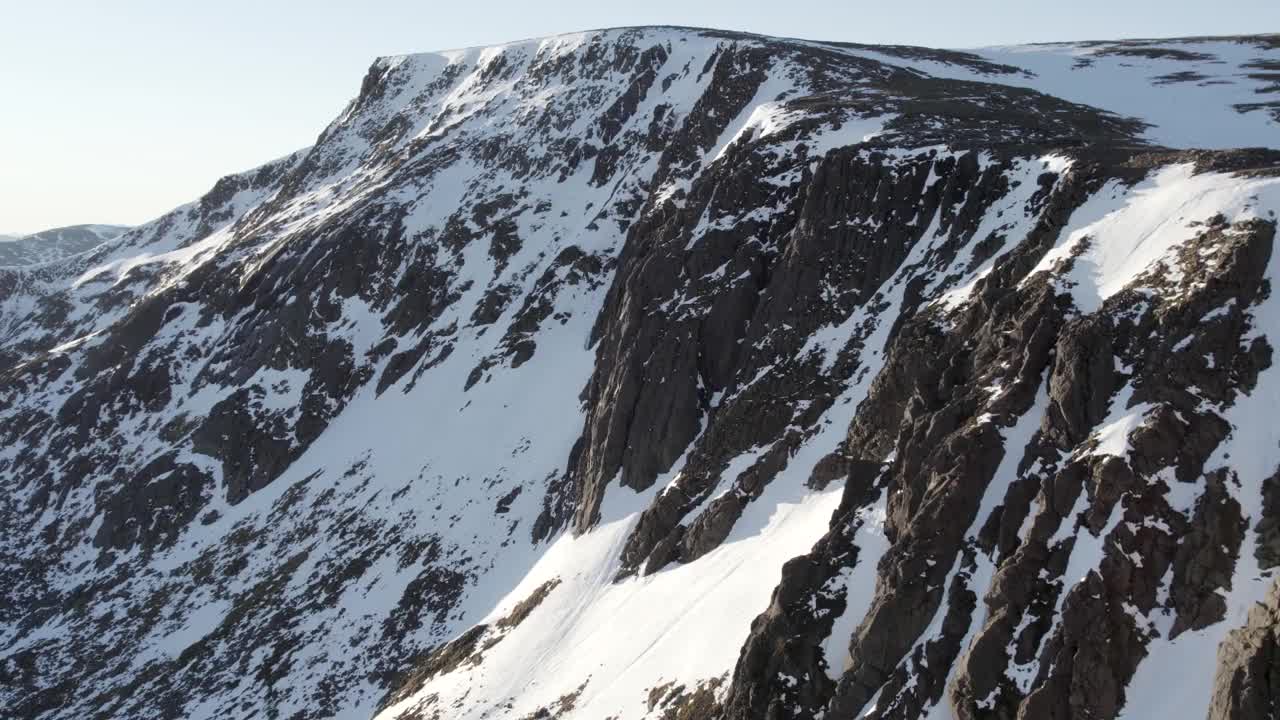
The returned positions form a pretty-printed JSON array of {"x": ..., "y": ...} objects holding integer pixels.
[
  {"x": 1249, "y": 666},
  {"x": 925, "y": 396},
  {"x": 286, "y": 451}
]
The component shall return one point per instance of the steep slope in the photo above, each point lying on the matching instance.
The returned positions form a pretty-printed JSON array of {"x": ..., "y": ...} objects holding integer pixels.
[
  {"x": 669, "y": 373},
  {"x": 55, "y": 244}
]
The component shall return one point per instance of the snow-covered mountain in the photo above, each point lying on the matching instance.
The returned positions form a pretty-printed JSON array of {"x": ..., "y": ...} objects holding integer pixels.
[
  {"x": 674, "y": 373},
  {"x": 55, "y": 244}
]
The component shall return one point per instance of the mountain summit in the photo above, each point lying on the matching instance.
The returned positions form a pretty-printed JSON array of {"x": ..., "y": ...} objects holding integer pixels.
[{"x": 670, "y": 373}]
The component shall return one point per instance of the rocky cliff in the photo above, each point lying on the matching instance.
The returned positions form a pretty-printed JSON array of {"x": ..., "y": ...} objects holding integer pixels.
[{"x": 671, "y": 373}]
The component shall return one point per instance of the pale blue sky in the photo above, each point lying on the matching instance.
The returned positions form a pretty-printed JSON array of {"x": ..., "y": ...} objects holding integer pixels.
[{"x": 115, "y": 112}]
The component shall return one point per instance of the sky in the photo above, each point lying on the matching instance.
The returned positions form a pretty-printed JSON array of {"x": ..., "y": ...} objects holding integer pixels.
[{"x": 116, "y": 112}]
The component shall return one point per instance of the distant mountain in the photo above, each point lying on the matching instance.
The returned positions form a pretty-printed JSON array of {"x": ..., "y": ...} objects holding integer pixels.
[
  {"x": 55, "y": 244},
  {"x": 660, "y": 373}
]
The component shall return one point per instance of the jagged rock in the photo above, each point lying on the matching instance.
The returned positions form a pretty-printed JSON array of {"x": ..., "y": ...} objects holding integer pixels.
[
  {"x": 1246, "y": 685},
  {"x": 668, "y": 373},
  {"x": 1268, "y": 528},
  {"x": 1082, "y": 381}
]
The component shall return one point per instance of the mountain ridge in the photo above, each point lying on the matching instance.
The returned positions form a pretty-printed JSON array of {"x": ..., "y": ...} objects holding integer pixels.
[
  {"x": 55, "y": 243},
  {"x": 646, "y": 373}
]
